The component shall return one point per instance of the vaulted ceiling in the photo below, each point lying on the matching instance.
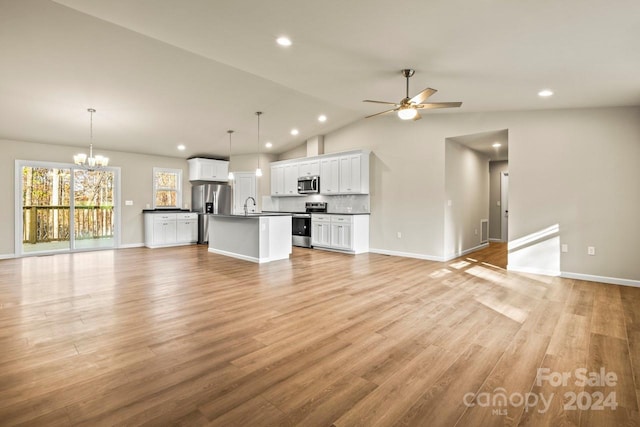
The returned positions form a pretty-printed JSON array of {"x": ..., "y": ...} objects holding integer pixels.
[{"x": 162, "y": 72}]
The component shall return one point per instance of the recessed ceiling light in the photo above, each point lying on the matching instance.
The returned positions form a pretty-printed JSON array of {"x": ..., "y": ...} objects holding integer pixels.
[
  {"x": 497, "y": 145},
  {"x": 294, "y": 132},
  {"x": 322, "y": 118},
  {"x": 181, "y": 147},
  {"x": 283, "y": 41},
  {"x": 545, "y": 92},
  {"x": 268, "y": 145}
]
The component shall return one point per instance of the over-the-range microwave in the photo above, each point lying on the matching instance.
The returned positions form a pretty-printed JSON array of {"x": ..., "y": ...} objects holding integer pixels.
[{"x": 308, "y": 184}]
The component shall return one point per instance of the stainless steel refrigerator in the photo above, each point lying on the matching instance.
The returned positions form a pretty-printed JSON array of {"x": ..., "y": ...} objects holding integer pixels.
[{"x": 209, "y": 198}]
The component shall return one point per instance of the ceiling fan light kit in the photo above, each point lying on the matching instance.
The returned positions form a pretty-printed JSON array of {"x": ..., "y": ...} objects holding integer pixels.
[
  {"x": 407, "y": 108},
  {"x": 407, "y": 113}
]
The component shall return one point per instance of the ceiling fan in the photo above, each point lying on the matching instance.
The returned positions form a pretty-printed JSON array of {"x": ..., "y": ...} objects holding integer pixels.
[{"x": 408, "y": 108}]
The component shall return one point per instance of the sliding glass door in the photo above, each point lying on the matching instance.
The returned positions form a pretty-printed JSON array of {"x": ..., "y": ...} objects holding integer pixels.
[
  {"x": 61, "y": 208},
  {"x": 93, "y": 217}
]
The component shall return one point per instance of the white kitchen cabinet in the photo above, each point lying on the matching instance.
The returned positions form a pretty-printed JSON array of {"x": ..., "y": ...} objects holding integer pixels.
[
  {"x": 309, "y": 168},
  {"x": 350, "y": 174},
  {"x": 320, "y": 231},
  {"x": 330, "y": 176},
  {"x": 170, "y": 229},
  {"x": 208, "y": 169},
  {"x": 277, "y": 180},
  {"x": 345, "y": 233},
  {"x": 164, "y": 231},
  {"x": 340, "y": 173},
  {"x": 291, "y": 175},
  {"x": 284, "y": 180},
  {"x": 187, "y": 228}
]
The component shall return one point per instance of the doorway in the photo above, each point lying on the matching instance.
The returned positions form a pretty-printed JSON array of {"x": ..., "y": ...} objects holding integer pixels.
[
  {"x": 62, "y": 208},
  {"x": 244, "y": 186},
  {"x": 504, "y": 206}
]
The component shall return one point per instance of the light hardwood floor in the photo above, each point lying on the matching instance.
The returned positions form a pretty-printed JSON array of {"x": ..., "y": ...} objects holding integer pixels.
[{"x": 179, "y": 336}]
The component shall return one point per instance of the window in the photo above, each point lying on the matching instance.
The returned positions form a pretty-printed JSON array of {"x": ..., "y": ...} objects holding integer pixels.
[{"x": 167, "y": 188}]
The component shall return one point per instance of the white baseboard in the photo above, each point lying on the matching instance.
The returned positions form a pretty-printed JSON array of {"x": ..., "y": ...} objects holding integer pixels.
[
  {"x": 406, "y": 254},
  {"x": 531, "y": 270},
  {"x": 7, "y": 256},
  {"x": 466, "y": 251},
  {"x": 602, "y": 279},
  {"x": 131, "y": 245},
  {"x": 244, "y": 257},
  {"x": 495, "y": 240},
  {"x": 578, "y": 276}
]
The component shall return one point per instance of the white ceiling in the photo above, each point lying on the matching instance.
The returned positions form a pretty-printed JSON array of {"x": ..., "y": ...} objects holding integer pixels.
[{"x": 162, "y": 72}]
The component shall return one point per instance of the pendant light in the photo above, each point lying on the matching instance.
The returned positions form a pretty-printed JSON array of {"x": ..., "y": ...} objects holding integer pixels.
[
  {"x": 230, "y": 177},
  {"x": 91, "y": 162},
  {"x": 258, "y": 170}
]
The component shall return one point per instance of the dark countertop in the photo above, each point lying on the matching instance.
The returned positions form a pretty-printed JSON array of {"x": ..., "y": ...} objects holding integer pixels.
[
  {"x": 164, "y": 210},
  {"x": 253, "y": 215},
  {"x": 326, "y": 213}
]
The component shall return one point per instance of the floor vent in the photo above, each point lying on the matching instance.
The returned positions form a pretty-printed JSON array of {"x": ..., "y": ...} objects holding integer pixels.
[{"x": 484, "y": 231}]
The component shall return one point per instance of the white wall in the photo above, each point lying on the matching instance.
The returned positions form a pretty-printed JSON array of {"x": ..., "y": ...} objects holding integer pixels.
[
  {"x": 294, "y": 153},
  {"x": 467, "y": 187},
  {"x": 577, "y": 169},
  {"x": 136, "y": 184}
]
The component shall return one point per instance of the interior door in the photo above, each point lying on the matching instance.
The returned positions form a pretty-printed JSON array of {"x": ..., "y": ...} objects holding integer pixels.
[
  {"x": 504, "y": 203},
  {"x": 244, "y": 186}
]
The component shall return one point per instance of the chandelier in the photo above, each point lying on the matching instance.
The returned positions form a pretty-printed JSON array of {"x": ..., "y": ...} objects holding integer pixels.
[{"x": 92, "y": 162}]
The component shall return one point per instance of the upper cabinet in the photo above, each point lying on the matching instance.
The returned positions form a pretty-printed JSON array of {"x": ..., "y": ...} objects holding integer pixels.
[
  {"x": 208, "y": 170},
  {"x": 330, "y": 175},
  {"x": 291, "y": 175},
  {"x": 284, "y": 180},
  {"x": 309, "y": 167},
  {"x": 340, "y": 173},
  {"x": 352, "y": 179},
  {"x": 277, "y": 180}
]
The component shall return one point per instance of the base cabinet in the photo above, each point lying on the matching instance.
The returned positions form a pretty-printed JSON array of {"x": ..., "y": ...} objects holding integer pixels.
[
  {"x": 346, "y": 233},
  {"x": 170, "y": 229},
  {"x": 320, "y": 233}
]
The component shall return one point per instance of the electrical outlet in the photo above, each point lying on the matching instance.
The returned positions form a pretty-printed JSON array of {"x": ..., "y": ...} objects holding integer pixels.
[
  {"x": 449, "y": 203},
  {"x": 399, "y": 235},
  {"x": 498, "y": 203},
  {"x": 128, "y": 202},
  {"x": 564, "y": 248},
  {"x": 591, "y": 250}
]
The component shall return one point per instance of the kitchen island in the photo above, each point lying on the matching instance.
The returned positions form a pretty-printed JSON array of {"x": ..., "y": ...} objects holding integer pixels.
[{"x": 256, "y": 237}]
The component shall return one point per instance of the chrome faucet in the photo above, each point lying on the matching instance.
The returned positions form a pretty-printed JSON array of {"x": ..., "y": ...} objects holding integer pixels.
[{"x": 247, "y": 201}]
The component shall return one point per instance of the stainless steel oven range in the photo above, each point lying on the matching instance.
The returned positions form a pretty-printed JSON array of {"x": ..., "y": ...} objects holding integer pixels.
[{"x": 301, "y": 223}]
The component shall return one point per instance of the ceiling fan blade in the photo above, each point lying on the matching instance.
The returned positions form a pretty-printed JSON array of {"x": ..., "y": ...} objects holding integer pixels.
[
  {"x": 438, "y": 105},
  {"x": 419, "y": 98},
  {"x": 383, "y": 112},
  {"x": 381, "y": 102}
]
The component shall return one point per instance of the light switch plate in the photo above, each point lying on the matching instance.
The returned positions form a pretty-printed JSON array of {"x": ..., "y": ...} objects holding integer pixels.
[{"x": 564, "y": 247}]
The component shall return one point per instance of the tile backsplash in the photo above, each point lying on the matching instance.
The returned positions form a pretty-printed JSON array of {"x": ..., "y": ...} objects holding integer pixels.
[{"x": 352, "y": 203}]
